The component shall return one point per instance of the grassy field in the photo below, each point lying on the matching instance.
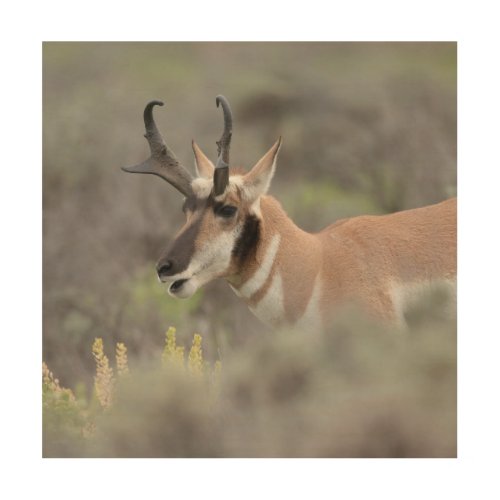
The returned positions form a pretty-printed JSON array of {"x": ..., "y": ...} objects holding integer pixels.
[{"x": 367, "y": 128}]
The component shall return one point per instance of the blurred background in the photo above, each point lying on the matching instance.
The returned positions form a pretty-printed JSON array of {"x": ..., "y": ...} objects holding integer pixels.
[{"x": 367, "y": 128}]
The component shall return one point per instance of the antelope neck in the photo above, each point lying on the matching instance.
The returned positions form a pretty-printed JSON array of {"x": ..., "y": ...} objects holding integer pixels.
[{"x": 271, "y": 270}]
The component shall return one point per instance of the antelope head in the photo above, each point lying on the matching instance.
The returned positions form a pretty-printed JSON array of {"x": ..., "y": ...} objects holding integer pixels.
[{"x": 221, "y": 205}]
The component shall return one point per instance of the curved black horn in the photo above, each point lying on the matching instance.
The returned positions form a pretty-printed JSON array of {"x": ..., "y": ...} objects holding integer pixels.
[
  {"x": 162, "y": 161},
  {"x": 221, "y": 173},
  {"x": 152, "y": 133}
]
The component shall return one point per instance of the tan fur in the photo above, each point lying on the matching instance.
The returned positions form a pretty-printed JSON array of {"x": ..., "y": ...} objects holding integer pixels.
[{"x": 204, "y": 167}]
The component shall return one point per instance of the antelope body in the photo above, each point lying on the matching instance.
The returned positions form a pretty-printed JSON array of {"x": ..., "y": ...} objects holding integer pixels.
[{"x": 234, "y": 230}]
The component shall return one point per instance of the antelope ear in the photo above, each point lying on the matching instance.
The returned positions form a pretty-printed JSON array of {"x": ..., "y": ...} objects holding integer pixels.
[
  {"x": 257, "y": 181},
  {"x": 204, "y": 167}
]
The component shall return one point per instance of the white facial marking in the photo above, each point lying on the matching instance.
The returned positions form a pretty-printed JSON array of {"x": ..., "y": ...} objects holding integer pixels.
[
  {"x": 270, "y": 309},
  {"x": 202, "y": 187},
  {"x": 257, "y": 280},
  {"x": 311, "y": 319},
  {"x": 215, "y": 255},
  {"x": 208, "y": 263},
  {"x": 237, "y": 180}
]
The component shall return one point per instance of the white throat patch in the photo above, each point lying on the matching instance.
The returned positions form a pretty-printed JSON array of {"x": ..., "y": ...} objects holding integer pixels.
[
  {"x": 270, "y": 309},
  {"x": 257, "y": 280}
]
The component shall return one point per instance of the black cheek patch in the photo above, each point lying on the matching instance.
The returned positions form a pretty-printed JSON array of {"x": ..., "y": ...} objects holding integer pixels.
[{"x": 248, "y": 239}]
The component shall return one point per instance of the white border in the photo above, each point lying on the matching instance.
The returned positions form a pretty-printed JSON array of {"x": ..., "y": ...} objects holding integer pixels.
[{"x": 473, "y": 474}]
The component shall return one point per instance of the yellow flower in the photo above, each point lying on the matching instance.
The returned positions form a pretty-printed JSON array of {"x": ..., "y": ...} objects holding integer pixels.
[
  {"x": 103, "y": 380},
  {"x": 48, "y": 379},
  {"x": 195, "y": 361},
  {"x": 171, "y": 351},
  {"x": 121, "y": 359},
  {"x": 52, "y": 384}
]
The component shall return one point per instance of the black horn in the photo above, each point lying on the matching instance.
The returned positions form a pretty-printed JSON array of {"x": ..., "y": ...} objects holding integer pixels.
[
  {"x": 221, "y": 173},
  {"x": 162, "y": 161}
]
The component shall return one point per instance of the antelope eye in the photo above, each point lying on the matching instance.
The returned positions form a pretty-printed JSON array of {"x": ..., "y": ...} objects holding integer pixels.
[{"x": 226, "y": 211}]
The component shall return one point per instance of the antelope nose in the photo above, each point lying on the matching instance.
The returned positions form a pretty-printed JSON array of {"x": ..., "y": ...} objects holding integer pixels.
[{"x": 164, "y": 268}]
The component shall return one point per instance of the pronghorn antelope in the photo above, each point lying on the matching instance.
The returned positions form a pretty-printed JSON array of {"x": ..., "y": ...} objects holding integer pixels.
[{"x": 235, "y": 230}]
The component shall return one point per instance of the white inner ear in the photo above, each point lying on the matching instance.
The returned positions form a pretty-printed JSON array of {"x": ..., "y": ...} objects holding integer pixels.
[
  {"x": 204, "y": 173},
  {"x": 255, "y": 186},
  {"x": 202, "y": 164}
]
